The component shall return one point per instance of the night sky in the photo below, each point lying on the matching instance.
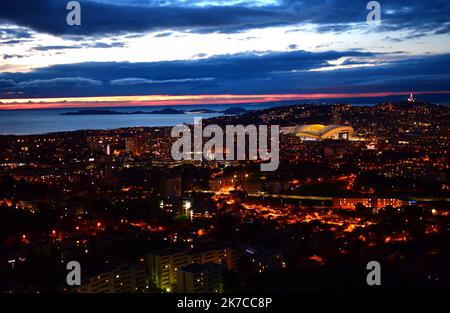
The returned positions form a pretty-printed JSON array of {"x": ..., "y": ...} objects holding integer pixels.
[{"x": 273, "y": 49}]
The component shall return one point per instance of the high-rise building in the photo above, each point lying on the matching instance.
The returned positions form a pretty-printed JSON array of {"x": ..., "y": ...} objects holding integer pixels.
[
  {"x": 121, "y": 278},
  {"x": 163, "y": 266},
  {"x": 200, "y": 278},
  {"x": 226, "y": 256}
]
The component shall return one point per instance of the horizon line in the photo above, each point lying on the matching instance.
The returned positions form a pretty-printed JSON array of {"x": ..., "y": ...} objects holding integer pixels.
[{"x": 172, "y": 100}]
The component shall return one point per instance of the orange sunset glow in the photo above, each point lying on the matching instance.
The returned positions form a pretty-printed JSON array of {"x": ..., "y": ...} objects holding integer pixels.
[{"x": 156, "y": 100}]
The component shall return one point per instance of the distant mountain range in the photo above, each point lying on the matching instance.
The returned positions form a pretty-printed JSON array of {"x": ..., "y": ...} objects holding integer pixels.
[{"x": 229, "y": 111}]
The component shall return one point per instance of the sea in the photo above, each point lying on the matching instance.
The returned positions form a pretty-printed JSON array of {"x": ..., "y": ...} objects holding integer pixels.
[{"x": 42, "y": 121}]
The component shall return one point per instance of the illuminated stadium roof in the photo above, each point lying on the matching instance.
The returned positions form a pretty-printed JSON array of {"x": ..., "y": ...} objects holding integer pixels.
[{"x": 318, "y": 131}]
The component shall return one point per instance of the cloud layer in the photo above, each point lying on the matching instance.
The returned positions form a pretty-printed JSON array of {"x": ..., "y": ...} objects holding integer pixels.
[
  {"x": 114, "y": 24},
  {"x": 255, "y": 73},
  {"x": 112, "y": 17}
]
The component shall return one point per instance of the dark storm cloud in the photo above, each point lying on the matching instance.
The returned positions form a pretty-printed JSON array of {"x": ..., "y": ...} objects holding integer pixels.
[
  {"x": 101, "y": 18},
  {"x": 132, "y": 81},
  {"x": 48, "y": 48},
  {"x": 12, "y": 42},
  {"x": 248, "y": 64},
  {"x": 271, "y": 72},
  {"x": 7, "y": 83},
  {"x": 14, "y": 36},
  {"x": 101, "y": 45},
  {"x": 199, "y": 55},
  {"x": 14, "y": 33},
  {"x": 98, "y": 18},
  {"x": 166, "y": 34},
  {"x": 12, "y": 56},
  {"x": 60, "y": 83},
  {"x": 66, "y": 82},
  {"x": 105, "y": 45}
]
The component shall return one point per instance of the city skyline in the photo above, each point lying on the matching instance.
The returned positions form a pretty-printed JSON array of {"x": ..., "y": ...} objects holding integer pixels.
[{"x": 273, "y": 149}]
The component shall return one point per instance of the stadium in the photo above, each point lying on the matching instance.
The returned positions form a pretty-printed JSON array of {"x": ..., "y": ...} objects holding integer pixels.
[{"x": 320, "y": 132}]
